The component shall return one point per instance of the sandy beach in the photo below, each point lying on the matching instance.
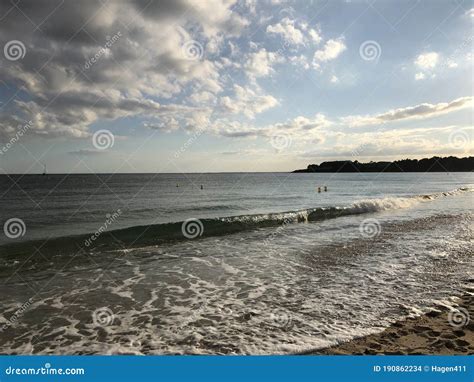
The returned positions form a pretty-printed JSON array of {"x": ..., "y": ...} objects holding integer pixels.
[{"x": 436, "y": 333}]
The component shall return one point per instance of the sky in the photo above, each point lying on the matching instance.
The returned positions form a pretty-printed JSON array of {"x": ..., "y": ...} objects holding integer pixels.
[{"x": 224, "y": 85}]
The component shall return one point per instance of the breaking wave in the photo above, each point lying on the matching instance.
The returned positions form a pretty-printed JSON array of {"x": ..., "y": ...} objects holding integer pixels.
[{"x": 156, "y": 234}]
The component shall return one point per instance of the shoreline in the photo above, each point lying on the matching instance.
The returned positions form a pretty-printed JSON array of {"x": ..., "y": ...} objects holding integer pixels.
[{"x": 428, "y": 334}]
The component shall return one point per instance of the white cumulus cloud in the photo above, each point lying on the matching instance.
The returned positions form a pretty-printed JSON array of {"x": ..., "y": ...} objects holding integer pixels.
[
  {"x": 287, "y": 29},
  {"x": 427, "y": 61},
  {"x": 331, "y": 50}
]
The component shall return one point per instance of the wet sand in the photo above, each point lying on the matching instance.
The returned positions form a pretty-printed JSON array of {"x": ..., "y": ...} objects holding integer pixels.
[{"x": 437, "y": 332}]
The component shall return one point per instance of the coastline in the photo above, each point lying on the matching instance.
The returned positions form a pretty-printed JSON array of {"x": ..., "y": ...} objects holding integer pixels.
[
  {"x": 434, "y": 164},
  {"x": 429, "y": 334}
]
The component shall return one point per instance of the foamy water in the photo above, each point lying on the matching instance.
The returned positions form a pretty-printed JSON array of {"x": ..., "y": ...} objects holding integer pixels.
[{"x": 287, "y": 276}]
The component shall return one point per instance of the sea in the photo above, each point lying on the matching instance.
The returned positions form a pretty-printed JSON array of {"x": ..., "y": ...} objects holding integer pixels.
[{"x": 226, "y": 263}]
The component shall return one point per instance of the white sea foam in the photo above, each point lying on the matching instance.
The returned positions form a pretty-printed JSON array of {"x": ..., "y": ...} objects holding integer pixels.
[{"x": 390, "y": 203}]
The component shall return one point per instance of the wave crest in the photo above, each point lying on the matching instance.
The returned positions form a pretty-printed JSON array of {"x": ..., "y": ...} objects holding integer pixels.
[{"x": 138, "y": 236}]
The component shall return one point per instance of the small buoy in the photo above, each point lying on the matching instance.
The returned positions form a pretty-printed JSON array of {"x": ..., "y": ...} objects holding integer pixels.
[
  {"x": 202, "y": 188},
  {"x": 177, "y": 184},
  {"x": 325, "y": 188}
]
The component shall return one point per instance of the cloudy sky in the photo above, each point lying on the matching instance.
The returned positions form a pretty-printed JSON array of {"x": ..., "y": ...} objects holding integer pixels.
[{"x": 225, "y": 85}]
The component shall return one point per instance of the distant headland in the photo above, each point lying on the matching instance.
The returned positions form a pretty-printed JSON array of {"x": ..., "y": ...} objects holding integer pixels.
[{"x": 434, "y": 164}]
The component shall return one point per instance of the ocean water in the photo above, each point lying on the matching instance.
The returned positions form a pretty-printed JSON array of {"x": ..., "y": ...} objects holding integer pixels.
[{"x": 249, "y": 264}]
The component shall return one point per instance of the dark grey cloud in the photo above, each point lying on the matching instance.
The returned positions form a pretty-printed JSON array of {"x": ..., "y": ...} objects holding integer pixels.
[{"x": 89, "y": 60}]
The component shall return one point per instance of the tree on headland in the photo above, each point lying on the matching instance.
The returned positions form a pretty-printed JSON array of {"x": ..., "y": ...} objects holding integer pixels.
[{"x": 434, "y": 164}]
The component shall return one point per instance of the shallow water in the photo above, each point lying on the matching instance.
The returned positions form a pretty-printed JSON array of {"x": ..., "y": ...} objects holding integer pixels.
[{"x": 279, "y": 283}]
